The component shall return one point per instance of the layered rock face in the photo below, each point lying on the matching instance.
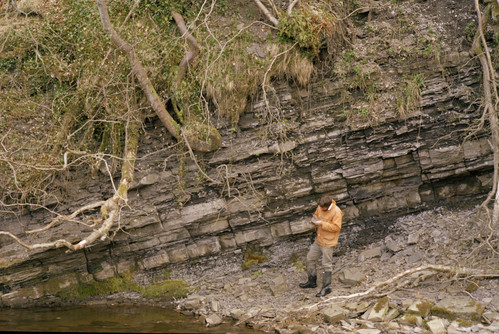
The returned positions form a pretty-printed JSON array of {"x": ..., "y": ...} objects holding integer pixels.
[
  {"x": 267, "y": 189},
  {"x": 375, "y": 162}
]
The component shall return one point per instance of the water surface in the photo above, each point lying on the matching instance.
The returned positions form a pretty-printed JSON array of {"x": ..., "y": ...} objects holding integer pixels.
[{"x": 117, "y": 319}]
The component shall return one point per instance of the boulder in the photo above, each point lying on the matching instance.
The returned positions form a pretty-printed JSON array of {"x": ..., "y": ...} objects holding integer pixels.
[
  {"x": 494, "y": 303},
  {"x": 394, "y": 245},
  {"x": 213, "y": 320},
  {"x": 413, "y": 238},
  {"x": 298, "y": 329},
  {"x": 368, "y": 331},
  {"x": 391, "y": 314},
  {"x": 237, "y": 314},
  {"x": 351, "y": 276},
  {"x": 193, "y": 302},
  {"x": 370, "y": 253},
  {"x": 278, "y": 285},
  {"x": 410, "y": 319},
  {"x": 458, "y": 307}
]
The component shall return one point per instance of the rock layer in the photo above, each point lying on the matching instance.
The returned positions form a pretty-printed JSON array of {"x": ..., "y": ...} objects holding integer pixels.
[{"x": 376, "y": 162}]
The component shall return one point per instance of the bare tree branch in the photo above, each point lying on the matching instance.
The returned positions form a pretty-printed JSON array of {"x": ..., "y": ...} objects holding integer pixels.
[
  {"x": 55, "y": 244},
  {"x": 211, "y": 139},
  {"x": 274, "y": 7},
  {"x": 291, "y": 5},
  {"x": 267, "y": 13},
  {"x": 194, "y": 51},
  {"x": 109, "y": 208},
  {"x": 458, "y": 271},
  {"x": 139, "y": 71},
  {"x": 67, "y": 217}
]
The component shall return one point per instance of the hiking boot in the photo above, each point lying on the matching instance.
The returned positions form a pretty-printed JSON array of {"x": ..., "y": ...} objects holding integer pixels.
[
  {"x": 326, "y": 282},
  {"x": 311, "y": 283}
]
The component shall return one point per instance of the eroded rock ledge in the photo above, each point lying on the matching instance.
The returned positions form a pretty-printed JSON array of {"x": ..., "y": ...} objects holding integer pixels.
[{"x": 374, "y": 168}]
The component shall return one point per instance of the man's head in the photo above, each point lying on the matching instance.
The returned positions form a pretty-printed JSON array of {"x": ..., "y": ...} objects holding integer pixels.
[{"x": 325, "y": 202}]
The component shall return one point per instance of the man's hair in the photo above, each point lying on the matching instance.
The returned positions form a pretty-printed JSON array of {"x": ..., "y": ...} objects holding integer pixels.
[{"x": 325, "y": 201}]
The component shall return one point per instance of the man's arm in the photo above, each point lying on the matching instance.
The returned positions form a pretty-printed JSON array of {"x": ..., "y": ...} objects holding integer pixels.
[{"x": 335, "y": 224}]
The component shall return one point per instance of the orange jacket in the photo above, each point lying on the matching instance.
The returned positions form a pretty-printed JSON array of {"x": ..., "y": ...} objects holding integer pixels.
[{"x": 329, "y": 231}]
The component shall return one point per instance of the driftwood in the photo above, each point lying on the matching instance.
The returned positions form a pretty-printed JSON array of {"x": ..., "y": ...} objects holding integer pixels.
[{"x": 458, "y": 271}]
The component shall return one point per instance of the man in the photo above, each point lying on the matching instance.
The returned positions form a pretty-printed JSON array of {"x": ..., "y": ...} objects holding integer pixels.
[{"x": 327, "y": 220}]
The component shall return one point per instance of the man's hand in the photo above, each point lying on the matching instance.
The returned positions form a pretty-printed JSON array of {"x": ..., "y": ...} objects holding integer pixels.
[{"x": 318, "y": 223}]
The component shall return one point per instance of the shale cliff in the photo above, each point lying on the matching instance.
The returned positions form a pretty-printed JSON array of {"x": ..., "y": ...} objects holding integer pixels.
[{"x": 376, "y": 156}]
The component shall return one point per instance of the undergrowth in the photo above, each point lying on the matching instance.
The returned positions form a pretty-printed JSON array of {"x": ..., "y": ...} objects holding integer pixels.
[{"x": 66, "y": 94}]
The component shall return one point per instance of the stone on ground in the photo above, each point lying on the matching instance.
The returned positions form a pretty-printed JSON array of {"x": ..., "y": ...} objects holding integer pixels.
[
  {"x": 334, "y": 313},
  {"x": 421, "y": 307},
  {"x": 213, "y": 320},
  {"x": 351, "y": 276},
  {"x": 437, "y": 326},
  {"x": 459, "y": 307}
]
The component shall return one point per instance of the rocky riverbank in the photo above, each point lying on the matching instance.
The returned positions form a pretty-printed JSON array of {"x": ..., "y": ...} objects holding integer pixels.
[{"x": 266, "y": 296}]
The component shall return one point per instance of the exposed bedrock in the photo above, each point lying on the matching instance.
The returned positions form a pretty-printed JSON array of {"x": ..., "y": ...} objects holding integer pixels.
[{"x": 375, "y": 167}]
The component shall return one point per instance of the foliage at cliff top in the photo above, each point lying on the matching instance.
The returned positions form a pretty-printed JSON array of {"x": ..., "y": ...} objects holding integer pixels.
[{"x": 66, "y": 94}]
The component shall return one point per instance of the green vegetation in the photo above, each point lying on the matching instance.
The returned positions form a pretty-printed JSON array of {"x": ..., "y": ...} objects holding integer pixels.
[
  {"x": 253, "y": 255},
  {"x": 464, "y": 323},
  {"x": 381, "y": 303},
  {"x": 443, "y": 312},
  {"x": 409, "y": 94},
  {"x": 424, "y": 307},
  {"x": 298, "y": 264},
  {"x": 66, "y": 93},
  {"x": 307, "y": 27},
  {"x": 165, "y": 290},
  {"x": 7, "y": 263}
]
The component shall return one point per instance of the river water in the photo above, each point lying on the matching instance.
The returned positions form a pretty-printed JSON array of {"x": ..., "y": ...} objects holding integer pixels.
[{"x": 117, "y": 319}]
